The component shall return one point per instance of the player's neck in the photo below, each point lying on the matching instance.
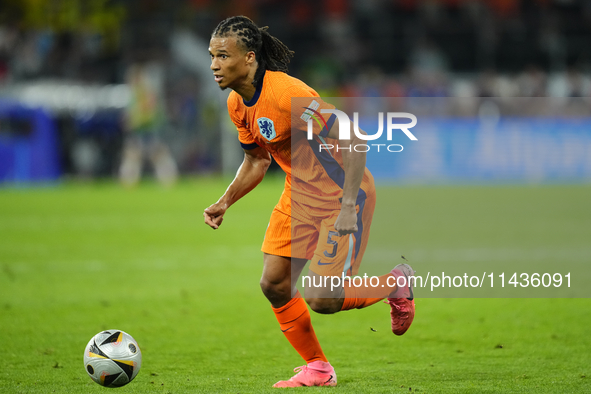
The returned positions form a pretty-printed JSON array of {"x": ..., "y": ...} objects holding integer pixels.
[{"x": 246, "y": 89}]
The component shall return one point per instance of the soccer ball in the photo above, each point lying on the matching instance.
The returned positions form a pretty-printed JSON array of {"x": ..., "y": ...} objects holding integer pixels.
[{"x": 112, "y": 358}]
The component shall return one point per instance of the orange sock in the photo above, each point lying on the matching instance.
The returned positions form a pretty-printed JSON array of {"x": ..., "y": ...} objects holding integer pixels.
[
  {"x": 362, "y": 297},
  {"x": 294, "y": 320}
]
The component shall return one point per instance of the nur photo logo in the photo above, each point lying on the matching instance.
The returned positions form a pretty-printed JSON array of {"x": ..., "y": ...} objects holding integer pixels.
[{"x": 311, "y": 114}]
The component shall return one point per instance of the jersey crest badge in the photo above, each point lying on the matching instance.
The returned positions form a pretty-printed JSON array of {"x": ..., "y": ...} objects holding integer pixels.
[{"x": 267, "y": 128}]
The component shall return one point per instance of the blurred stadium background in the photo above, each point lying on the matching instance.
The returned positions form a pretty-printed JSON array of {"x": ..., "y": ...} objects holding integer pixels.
[{"x": 68, "y": 98}]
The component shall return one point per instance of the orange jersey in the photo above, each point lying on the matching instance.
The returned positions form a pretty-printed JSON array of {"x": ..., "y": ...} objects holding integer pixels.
[{"x": 314, "y": 177}]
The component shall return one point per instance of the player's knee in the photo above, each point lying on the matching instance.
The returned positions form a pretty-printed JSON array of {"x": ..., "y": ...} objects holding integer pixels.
[
  {"x": 274, "y": 290},
  {"x": 323, "y": 305},
  {"x": 267, "y": 286}
]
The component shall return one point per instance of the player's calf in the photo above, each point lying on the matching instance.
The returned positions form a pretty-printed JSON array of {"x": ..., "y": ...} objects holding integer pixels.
[
  {"x": 323, "y": 299},
  {"x": 325, "y": 306}
]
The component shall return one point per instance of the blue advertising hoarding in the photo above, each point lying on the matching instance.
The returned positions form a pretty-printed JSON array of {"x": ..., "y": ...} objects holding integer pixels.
[
  {"x": 28, "y": 144},
  {"x": 466, "y": 150}
]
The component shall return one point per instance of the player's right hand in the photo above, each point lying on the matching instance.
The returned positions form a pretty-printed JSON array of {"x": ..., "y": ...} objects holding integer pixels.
[{"x": 214, "y": 215}]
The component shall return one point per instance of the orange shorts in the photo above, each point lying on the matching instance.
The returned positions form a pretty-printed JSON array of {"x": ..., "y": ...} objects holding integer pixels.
[{"x": 310, "y": 234}]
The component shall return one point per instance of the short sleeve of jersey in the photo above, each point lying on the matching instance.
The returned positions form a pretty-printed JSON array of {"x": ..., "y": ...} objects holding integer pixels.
[
  {"x": 305, "y": 105},
  {"x": 244, "y": 136}
]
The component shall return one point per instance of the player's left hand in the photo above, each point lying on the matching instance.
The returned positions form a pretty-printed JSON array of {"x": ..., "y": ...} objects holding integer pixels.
[{"x": 346, "y": 221}]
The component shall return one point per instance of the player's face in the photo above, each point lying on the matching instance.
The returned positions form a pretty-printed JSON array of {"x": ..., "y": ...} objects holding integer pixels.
[{"x": 229, "y": 62}]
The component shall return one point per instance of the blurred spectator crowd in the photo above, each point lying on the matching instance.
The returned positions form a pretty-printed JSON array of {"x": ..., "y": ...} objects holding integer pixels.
[{"x": 344, "y": 48}]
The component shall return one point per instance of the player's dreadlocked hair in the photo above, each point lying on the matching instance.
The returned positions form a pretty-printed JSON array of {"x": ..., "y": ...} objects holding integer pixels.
[{"x": 271, "y": 54}]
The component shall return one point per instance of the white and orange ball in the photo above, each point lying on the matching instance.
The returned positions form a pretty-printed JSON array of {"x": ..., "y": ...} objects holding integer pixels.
[{"x": 112, "y": 358}]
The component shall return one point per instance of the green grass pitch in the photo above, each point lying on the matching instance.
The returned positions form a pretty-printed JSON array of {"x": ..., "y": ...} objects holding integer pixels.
[{"x": 77, "y": 259}]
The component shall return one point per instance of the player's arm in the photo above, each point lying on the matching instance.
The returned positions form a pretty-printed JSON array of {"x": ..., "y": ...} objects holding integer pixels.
[
  {"x": 354, "y": 163},
  {"x": 250, "y": 174}
]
